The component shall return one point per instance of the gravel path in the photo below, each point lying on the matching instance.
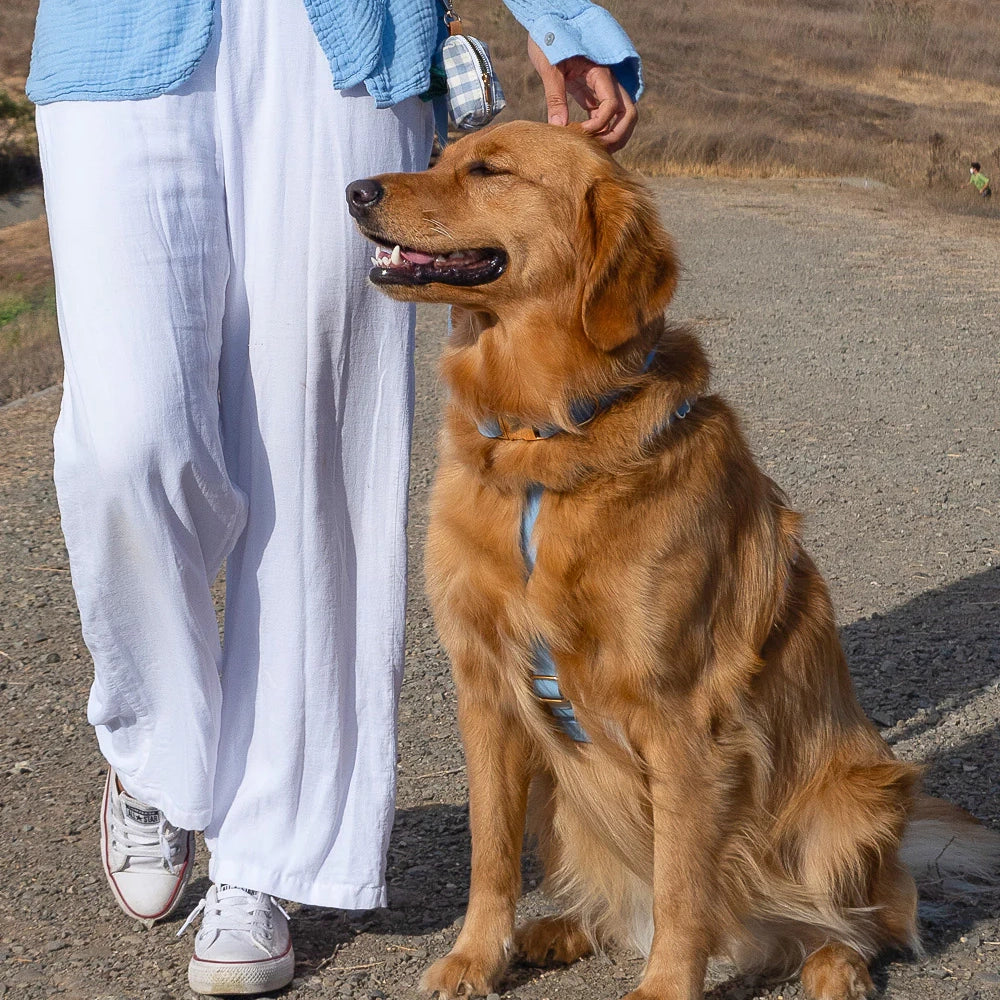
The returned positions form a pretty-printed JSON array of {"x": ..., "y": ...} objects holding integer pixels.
[{"x": 857, "y": 335}]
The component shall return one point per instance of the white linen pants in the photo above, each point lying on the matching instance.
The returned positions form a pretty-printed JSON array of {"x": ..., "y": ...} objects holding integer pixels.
[{"x": 234, "y": 388}]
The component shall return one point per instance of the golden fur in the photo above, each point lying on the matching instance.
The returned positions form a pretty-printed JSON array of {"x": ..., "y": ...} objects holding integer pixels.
[{"x": 733, "y": 799}]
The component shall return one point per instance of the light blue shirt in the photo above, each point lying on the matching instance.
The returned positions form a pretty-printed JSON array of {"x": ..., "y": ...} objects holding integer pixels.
[{"x": 107, "y": 50}]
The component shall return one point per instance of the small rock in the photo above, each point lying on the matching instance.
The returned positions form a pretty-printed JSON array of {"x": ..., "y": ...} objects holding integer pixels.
[{"x": 56, "y": 945}]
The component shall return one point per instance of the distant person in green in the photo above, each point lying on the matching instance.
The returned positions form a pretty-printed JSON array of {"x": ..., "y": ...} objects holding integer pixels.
[{"x": 979, "y": 180}]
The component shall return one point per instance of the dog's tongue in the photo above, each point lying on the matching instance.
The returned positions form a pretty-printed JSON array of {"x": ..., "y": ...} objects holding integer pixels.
[{"x": 416, "y": 257}]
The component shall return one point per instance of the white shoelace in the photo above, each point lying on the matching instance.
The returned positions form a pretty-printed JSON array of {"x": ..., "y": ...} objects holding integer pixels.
[
  {"x": 143, "y": 840},
  {"x": 234, "y": 909}
]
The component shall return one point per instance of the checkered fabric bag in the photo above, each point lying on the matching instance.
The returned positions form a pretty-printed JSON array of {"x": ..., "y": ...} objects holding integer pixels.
[{"x": 475, "y": 97}]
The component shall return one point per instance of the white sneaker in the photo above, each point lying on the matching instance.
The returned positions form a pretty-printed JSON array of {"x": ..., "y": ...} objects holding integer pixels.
[
  {"x": 243, "y": 946},
  {"x": 147, "y": 861}
]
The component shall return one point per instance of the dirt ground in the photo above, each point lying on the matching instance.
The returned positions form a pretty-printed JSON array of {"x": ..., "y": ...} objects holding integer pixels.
[{"x": 857, "y": 334}]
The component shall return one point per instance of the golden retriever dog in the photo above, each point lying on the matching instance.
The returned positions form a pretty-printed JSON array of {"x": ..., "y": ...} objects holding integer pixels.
[{"x": 649, "y": 677}]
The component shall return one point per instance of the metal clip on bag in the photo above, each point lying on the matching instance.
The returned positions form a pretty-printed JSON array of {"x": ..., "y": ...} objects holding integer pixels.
[{"x": 474, "y": 94}]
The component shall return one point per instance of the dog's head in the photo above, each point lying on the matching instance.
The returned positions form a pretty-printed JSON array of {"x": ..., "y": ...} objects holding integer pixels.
[{"x": 517, "y": 218}]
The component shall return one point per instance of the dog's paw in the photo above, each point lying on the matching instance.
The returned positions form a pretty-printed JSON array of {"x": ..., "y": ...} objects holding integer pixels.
[
  {"x": 463, "y": 974},
  {"x": 664, "y": 991},
  {"x": 836, "y": 972},
  {"x": 551, "y": 940}
]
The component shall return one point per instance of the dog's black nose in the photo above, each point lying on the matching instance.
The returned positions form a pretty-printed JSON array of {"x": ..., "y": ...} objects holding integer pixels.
[{"x": 363, "y": 195}]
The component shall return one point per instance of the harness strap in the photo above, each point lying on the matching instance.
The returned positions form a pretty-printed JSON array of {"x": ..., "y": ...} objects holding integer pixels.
[{"x": 545, "y": 674}]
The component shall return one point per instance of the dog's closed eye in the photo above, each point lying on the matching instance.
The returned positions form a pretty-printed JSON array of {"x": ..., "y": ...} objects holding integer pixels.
[{"x": 480, "y": 168}]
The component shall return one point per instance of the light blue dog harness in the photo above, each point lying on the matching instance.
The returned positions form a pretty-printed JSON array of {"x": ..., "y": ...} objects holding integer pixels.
[{"x": 545, "y": 675}]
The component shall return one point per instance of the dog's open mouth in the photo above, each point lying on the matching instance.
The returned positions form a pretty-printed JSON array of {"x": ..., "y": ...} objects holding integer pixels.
[{"x": 406, "y": 266}]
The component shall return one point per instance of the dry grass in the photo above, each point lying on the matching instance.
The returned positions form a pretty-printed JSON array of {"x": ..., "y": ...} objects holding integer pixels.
[
  {"x": 29, "y": 349},
  {"x": 29, "y": 343},
  {"x": 804, "y": 87}
]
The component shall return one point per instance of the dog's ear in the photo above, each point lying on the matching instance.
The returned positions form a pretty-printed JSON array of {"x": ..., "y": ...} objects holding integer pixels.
[{"x": 633, "y": 270}]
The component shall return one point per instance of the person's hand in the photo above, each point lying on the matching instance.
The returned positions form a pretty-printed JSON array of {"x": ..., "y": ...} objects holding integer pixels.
[{"x": 611, "y": 113}]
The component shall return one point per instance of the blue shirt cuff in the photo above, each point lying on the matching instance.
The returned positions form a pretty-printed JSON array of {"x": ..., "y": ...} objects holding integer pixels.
[{"x": 593, "y": 33}]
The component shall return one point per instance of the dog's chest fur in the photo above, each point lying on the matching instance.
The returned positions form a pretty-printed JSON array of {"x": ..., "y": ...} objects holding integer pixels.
[{"x": 586, "y": 591}]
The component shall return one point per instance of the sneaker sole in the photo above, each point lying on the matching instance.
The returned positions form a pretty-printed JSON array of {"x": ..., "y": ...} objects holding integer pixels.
[
  {"x": 241, "y": 978},
  {"x": 185, "y": 877}
]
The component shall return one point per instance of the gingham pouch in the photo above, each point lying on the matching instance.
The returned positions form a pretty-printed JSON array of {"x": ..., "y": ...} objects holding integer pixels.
[{"x": 475, "y": 97}]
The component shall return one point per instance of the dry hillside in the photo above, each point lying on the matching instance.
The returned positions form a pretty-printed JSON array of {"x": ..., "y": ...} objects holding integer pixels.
[{"x": 905, "y": 91}]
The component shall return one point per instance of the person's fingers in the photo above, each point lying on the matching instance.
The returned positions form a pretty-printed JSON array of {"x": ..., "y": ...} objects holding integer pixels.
[
  {"x": 606, "y": 105},
  {"x": 553, "y": 83},
  {"x": 611, "y": 112},
  {"x": 621, "y": 131}
]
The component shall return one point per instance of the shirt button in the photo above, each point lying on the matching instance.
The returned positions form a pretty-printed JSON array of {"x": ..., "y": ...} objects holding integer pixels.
[{"x": 550, "y": 38}]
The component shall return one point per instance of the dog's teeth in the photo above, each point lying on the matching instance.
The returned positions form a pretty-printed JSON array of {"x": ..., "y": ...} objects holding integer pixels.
[
  {"x": 396, "y": 257},
  {"x": 375, "y": 261}
]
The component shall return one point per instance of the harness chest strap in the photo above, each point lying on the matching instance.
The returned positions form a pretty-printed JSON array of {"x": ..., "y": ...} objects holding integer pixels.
[{"x": 545, "y": 674}]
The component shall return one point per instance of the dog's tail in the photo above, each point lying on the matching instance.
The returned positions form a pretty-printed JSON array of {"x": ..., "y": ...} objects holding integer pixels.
[{"x": 948, "y": 851}]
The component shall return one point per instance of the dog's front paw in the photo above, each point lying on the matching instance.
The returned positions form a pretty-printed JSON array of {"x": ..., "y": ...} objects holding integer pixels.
[
  {"x": 669, "y": 992},
  {"x": 462, "y": 973}
]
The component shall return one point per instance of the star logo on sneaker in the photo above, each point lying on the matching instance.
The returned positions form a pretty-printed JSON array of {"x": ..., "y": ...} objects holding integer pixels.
[{"x": 147, "y": 817}]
